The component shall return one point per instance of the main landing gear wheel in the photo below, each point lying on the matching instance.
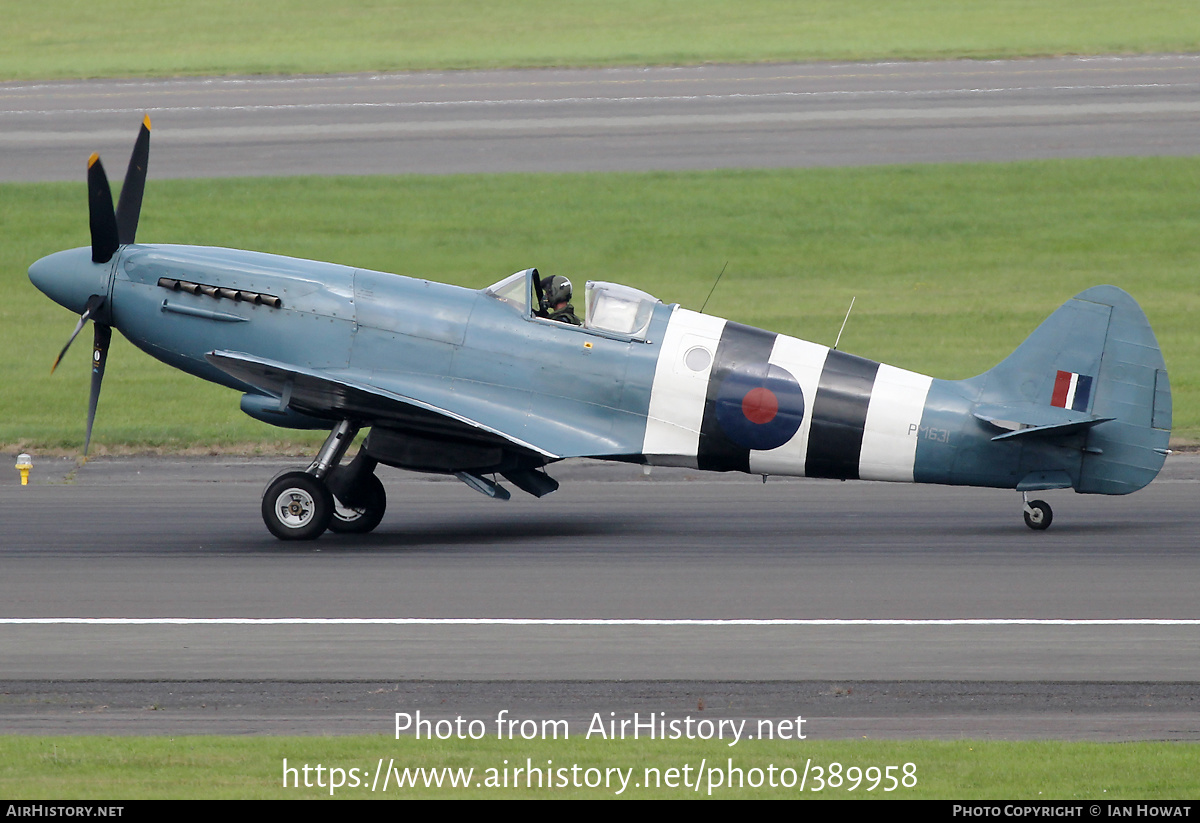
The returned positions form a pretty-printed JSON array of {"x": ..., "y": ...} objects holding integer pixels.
[
  {"x": 1038, "y": 515},
  {"x": 297, "y": 506},
  {"x": 366, "y": 516}
]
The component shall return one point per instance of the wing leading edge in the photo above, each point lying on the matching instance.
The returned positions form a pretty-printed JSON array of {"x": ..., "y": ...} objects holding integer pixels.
[{"x": 322, "y": 394}]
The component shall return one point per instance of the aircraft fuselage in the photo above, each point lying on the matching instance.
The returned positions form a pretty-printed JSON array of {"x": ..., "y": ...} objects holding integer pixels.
[{"x": 693, "y": 390}]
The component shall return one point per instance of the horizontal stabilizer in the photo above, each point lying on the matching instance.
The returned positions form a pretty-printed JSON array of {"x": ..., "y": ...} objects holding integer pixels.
[{"x": 1036, "y": 421}]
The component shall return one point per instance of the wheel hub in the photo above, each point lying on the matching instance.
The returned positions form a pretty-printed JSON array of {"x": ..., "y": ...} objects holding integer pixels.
[{"x": 295, "y": 508}]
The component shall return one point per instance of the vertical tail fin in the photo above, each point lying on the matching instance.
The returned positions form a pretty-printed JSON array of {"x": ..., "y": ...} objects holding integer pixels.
[{"x": 1097, "y": 360}]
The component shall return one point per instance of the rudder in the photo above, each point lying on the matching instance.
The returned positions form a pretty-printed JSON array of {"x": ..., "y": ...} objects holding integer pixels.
[{"x": 1125, "y": 454}]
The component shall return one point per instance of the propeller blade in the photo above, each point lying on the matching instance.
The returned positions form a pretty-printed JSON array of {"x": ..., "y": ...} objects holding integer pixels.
[
  {"x": 129, "y": 207},
  {"x": 99, "y": 357},
  {"x": 102, "y": 218},
  {"x": 93, "y": 306}
]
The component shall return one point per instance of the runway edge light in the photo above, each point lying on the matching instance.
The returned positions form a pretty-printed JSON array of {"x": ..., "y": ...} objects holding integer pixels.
[{"x": 24, "y": 465}]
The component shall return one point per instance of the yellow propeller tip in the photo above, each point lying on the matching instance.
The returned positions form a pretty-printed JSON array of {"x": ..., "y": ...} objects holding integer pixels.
[
  {"x": 93, "y": 159},
  {"x": 146, "y": 121}
]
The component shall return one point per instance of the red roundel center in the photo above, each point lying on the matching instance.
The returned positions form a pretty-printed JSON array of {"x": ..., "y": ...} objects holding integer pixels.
[{"x": 760, "y": 406}]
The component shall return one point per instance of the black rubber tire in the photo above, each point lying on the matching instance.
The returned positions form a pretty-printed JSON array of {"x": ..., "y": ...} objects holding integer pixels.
[
  {"x": 297, "y": 506},
  {"x": 364, "y": 519},
  {"x": 1038, "y": 515}
]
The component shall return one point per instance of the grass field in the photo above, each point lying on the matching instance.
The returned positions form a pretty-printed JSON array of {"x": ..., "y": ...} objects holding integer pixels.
[
  {"x": 252, "y": 768},
  {"x": 66, "y": 38},
  {"x": 952, "y": 266}
]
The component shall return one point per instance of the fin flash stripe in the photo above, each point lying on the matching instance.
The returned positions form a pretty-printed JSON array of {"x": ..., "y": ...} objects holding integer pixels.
[{"x": 1071, "y": 391}]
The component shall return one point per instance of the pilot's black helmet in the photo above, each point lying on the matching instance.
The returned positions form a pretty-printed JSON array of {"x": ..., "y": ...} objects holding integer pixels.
[{"x": 557, "y": 290}]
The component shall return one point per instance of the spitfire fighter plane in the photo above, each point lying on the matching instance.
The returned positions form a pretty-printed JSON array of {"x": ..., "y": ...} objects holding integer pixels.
[{"x": 468, "y": 383}]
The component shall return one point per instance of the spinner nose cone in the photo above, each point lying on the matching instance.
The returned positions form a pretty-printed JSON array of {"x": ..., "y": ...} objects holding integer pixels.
[{"x": 70, "y": 277}]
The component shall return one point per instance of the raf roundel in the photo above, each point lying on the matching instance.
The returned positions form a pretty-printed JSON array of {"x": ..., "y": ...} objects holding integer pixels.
[{"x": 760, "y": 411}]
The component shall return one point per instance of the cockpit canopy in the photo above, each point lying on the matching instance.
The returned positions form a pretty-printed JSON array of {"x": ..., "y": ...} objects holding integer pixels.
[
  {"x": 608, "y": 307},
  {"x": 619, "y": 309}
]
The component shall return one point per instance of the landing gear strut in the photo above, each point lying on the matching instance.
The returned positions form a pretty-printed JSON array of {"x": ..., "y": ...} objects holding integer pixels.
[
  {"x": 1038, "y": 514},
  {"x": 298, "y": 505}
]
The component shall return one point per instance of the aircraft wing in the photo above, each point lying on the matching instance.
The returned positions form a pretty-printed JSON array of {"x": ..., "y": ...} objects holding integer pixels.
[{"x": 326, "y": 394}]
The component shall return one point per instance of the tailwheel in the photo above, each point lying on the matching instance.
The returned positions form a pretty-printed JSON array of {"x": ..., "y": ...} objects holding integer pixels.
[
  {"x": 367, "y": 512},
  {"x": 297, "y": 506},
  {"x": 1038, "y": 514}
]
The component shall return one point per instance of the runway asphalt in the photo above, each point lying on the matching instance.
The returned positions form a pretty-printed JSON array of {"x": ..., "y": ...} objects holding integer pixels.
[
  {"x": 454, "y": 587},
  {"x": 704, "y": 117}
]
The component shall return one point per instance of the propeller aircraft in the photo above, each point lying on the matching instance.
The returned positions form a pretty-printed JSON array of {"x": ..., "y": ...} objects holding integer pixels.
[{"x": 469, "y": 383}]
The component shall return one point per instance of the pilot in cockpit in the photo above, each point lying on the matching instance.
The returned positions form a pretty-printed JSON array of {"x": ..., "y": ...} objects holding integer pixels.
[{"x": 557, "y": 292}]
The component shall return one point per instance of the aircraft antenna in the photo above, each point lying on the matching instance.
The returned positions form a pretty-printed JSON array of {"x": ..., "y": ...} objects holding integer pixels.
[
  {"x": 714, "y": 286},
  {"x": 843, "y": 328}
]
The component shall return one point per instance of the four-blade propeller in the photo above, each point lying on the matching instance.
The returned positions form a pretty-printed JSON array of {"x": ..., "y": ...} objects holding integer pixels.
[{"x": 110, "y": 230}]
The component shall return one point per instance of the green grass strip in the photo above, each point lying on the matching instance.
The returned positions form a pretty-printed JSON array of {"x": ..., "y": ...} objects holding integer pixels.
[
  {"x": 69, "y": 39},
  {"x": 952, "y": 266},
  {"x": 223, "y": 767},
  {"x": 126, "y": 768}
]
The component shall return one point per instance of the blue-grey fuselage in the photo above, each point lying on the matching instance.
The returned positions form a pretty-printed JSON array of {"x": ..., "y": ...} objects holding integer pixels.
[{"x": 479, "y": 373}]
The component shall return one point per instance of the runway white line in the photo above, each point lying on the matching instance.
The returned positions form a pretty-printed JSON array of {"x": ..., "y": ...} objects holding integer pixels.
[
  {"x": 600, "y": 621},
  {"x": 593, "y": 99}
]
